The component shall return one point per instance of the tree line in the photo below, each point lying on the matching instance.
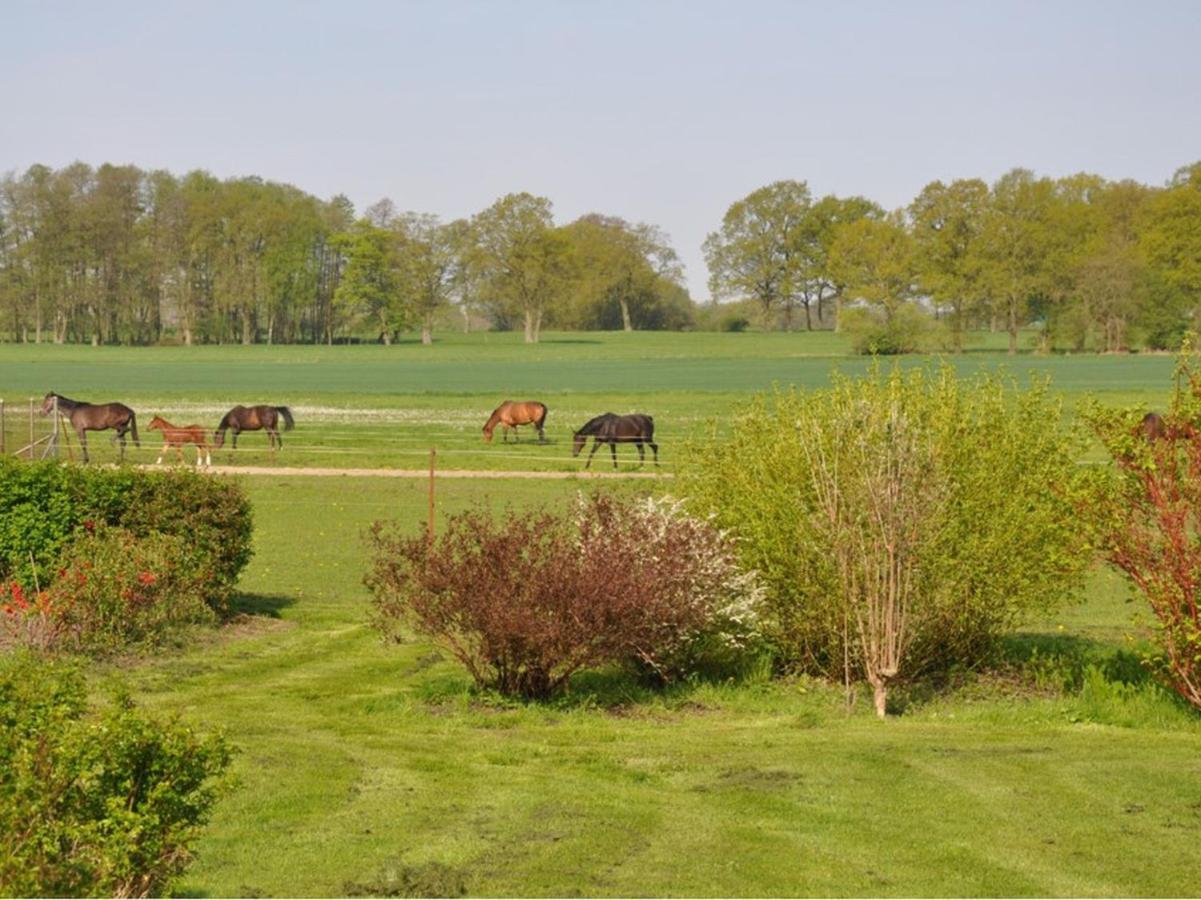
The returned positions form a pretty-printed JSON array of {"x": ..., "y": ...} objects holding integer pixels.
[
  {"x": 118, "y": 255},
  {"x": 1095, "y": 264}
]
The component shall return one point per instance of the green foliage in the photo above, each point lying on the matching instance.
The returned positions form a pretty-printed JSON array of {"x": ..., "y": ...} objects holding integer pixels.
[
  {"x": 44, "y": 505},
  {"x": 1006, "y": 542},
  {"x": 95, "y": 806},
  {"x": 881, "y": 332}
]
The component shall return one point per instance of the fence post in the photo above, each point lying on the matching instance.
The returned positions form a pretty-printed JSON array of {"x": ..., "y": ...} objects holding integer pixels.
[
  {"x": 430, "y": 529},
  {"x": 52, "y": 450},
  {"x": 31, "y": 435},
  {"x": 3, "y": 430}
]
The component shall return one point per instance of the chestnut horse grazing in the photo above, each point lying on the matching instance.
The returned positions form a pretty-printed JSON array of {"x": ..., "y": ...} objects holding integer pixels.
[
  {"x": 175, "y": 437},
  {"x": 510, "y": 415},
  {"x": 637, "y": 429},
  {"x": 85, "y": 417},
  {"x": 254, "y": 418}
]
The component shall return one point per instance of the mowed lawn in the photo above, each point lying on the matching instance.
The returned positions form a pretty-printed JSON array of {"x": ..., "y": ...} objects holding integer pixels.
[
  {"x": 377, "y": 770},
  {"x": 373, "y": 769},
  {"x": 374, "y": 406}
]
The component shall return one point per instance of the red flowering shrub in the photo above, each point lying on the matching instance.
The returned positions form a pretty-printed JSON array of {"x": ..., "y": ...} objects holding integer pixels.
[
  {"x": 111, "y": 590},
  {"x": 1147, "y": 514},
  {"x": 527, "y": 600}
]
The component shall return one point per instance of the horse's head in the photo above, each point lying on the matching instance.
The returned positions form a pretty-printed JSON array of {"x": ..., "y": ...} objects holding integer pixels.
[
  {"x": 488, "y": 433},
  {"x": 577, "y": 443},
  {"x": 158, "y": 422},
  {"x": 48, "y": 403}
]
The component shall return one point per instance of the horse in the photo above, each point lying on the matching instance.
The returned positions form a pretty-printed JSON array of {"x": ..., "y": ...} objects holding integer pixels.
[
  {"x": 253, "y": 418},
  {"x": 175, "y": 437},
  {"x": 1153, "y": 427},
  {"x": 510, "y": 414},
  {"x": 85, "y": 417},
  {"x": 637, "y": 429}
]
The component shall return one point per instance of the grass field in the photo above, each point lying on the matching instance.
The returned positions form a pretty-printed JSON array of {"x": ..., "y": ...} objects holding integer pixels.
[
  {"x": 369, "y": 769},
  {"x": 372, "y": 406}
]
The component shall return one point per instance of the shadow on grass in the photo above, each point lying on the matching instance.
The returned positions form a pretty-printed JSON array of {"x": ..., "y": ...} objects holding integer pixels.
[
  {"x": 265, "y": 605},
  {"x": 1065, "y": 658}
]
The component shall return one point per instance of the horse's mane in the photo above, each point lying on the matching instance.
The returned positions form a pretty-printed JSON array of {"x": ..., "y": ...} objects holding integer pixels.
[
  {"x": 67, "y": 402},
  {"x": 593, "y": 425}
]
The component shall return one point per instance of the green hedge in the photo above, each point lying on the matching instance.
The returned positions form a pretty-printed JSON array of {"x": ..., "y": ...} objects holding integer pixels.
[{"x": 44, "y": 506}]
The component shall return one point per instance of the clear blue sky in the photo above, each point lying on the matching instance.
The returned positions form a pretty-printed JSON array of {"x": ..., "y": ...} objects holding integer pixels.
[{"x": 660, "y": 112}]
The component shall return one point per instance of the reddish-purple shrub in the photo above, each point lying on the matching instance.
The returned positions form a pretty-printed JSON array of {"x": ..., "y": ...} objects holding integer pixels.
[{"x": 528, "y": 599}]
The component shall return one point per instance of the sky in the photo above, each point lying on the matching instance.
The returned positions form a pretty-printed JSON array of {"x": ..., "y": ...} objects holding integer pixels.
[{"x": 659, "y": 112}]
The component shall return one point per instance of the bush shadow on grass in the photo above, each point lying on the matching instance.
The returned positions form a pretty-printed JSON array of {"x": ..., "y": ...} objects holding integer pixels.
[
  {"x": 267, "y": 606},
  {"x": 1063, "y": 660}
]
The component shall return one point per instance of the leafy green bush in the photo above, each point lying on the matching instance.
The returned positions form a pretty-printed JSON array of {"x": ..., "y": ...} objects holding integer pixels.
[
  {"x": 998, "y": 538},
  {"x": 43, "y": 506},
  {"x": 95, "y": 806},
  {"x": 906, "y": 329},
  {"x": 112, "y": 590}
]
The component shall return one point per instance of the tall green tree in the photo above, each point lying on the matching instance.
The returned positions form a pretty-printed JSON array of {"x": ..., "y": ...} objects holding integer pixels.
[
  {"x": 522, "y": 259},
  {"x": 947, "y": 221},
  {"x": 760, "y": 250}
]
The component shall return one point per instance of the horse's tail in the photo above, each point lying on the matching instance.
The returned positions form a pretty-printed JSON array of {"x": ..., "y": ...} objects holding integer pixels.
[
  {"x": 542, "y": 419},
  {"x": 133, "y": 428},
  {"x": 219, "y": 434},
  {"x": 289, "y": 422}
]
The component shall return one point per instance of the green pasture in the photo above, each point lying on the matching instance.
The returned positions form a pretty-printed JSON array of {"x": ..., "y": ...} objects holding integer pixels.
[
  {"x": 367, "y": 769},
  {"x": 372, "y": 769},
  {"x": 375, "y": 406}
]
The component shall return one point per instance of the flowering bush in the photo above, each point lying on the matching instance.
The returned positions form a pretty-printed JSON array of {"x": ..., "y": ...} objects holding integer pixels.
[
  {"x": 527, "y": 600},
  {"x": 1147, "y": 514},
  {"x": 43, "y": 506},
  {"x": 111, "y": 590}
]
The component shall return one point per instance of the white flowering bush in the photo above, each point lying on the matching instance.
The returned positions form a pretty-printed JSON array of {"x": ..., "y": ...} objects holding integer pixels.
[{"x": 701, "y": 609}]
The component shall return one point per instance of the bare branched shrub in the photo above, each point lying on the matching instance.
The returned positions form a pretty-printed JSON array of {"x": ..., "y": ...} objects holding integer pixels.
[
  {"x": 526, "y": 600},
  {"x": 878, "y": 506}
]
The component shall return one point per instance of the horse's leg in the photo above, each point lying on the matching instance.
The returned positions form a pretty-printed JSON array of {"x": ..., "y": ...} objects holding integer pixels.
[
  {"x": 595, "y": 447},
  {"x": 236, "y": 433},
  {"x": 121, "y": 441},
  {"x": 83, "y": 442},
  {"x": 655, "y": 448},
  {"x": 179, "y": 451},
  {"x": 613, "y": 450},
  {"x": 641, "y": 455}
]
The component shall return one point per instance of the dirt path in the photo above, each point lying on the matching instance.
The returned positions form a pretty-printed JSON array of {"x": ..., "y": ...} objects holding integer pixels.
[{"x": 318, "y": 472}]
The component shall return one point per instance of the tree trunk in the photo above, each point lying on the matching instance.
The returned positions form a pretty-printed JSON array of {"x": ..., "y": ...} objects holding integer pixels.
[
  {"x": 808, "y": 319},
  {"x": 837, "y": 312},
  {"x": 1013, "y": 327},
  {"x": 427, "y": 329},
  {"x": 532, "y": 321},
  {"x": 626, "y": 324},
  {"x": 880, "y": 688}
]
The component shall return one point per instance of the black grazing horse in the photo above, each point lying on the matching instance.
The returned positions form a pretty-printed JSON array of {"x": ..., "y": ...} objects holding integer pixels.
[
  {"x": 252, "y": 418},
  {"x": 611, "y": 429},
  {"x": 86, "y": 417}
]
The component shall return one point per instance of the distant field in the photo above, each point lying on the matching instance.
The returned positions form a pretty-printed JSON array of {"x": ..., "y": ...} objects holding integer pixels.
[{"x": 385, "y": 406}]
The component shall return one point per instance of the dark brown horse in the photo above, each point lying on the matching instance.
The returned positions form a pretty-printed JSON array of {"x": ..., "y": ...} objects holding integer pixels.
[
  {"x": 85, "y": 417},
  {"x": 254, "y": 418},
  {"x": 1153, "y": 427},
  {"x": 611, "y": 429},
  {"x": 510, "y": 414}
]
